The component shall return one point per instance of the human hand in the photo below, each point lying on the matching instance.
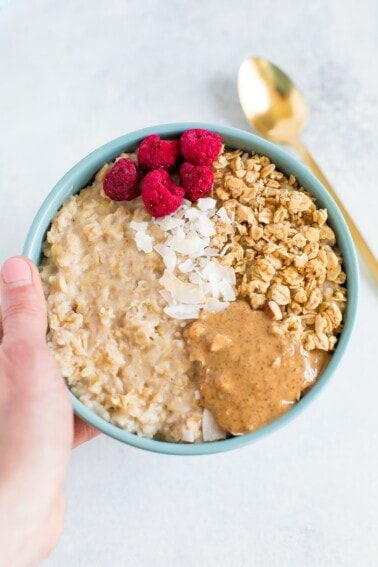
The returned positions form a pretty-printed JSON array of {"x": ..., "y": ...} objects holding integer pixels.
[{"x": 37, "y": 429}]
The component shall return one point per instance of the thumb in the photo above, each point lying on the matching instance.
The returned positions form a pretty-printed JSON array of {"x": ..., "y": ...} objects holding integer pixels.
[{"x": 22, "y": 302}]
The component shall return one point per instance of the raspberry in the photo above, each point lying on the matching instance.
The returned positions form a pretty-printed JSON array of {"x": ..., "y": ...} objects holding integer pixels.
[
  {"x": 160, "y": 194},
  {"x": 197, "y": 180},
  {"x": 121, "y": 181},
  {"x": 155, "y": 153},
  {"x": 200, "y": 147}
]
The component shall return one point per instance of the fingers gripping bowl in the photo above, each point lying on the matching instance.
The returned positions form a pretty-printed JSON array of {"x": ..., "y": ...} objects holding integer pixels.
[{"x": 187, "y": 324}]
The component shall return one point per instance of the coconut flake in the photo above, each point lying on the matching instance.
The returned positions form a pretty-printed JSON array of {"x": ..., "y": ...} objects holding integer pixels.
[
  {"x": 205, "y": 226},
  {"x": 167, "y": 297},
  {"x": 168, "y": 223},
  {"x": 222, "y": 214},
  {"x": 191, "y": 245},
  {"x": 195, "y": 277},
  {"x": 186, "y": 266},
  {"x": 168, "y": 255},
  {"x": 193, "y": 214},
  {"x": 227, "y": 291},
  {"x": 139, "y": 226},
  {"x": 182, "y": 292},
  {"x": 179, "y": 233},
  {"x": 182, "y": 311},
  {"x": 181, "y": 210},
  {"x": 215, "y": 306},
  {"x": 143, "y": 242},
  {"x": 187, "y": 435},
  {"x": 211, "y": 251},
  {"x": 206, "y": 204},
  {"x": 215, "y": 272},
  {"x": 210, "y": 429}
]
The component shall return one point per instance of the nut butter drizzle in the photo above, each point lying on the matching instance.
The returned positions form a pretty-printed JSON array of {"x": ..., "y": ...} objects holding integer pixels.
[{"x": 248, "y": 377}]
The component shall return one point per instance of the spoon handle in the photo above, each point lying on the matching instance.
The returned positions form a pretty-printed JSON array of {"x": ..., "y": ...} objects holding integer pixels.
[{"x": 359, "y": 240}]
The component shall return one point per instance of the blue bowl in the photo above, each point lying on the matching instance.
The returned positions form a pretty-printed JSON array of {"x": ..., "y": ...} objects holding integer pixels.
[{"x": 82, "y": 174}]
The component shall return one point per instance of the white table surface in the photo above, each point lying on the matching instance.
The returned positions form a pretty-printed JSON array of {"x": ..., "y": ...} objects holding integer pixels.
[{"x": 77, "y": 73}]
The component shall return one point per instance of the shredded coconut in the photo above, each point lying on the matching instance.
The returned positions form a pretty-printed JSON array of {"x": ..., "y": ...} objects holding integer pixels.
[{"x": 192, "y": 280}]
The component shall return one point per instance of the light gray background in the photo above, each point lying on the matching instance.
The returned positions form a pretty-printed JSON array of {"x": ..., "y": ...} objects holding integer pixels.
[{"x": 76, "y": 73}]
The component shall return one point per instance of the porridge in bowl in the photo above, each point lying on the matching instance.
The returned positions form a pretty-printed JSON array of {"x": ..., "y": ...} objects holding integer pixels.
[{"x": 192, "y": 302}]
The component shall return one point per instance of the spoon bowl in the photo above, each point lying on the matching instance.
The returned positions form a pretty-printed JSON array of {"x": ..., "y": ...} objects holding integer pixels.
[{"x": 271, "y": 102}]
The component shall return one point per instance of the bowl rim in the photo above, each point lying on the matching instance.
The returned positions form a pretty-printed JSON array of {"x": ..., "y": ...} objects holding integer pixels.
[{"x": 87, "y": 167}]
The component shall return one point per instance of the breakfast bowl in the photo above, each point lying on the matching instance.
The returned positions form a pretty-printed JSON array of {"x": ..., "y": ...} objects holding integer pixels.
[{"x": 274, "y": 166}]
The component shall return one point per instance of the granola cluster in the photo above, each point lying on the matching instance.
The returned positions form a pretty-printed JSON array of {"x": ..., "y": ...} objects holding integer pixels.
[{"x": 281, "y": 248}]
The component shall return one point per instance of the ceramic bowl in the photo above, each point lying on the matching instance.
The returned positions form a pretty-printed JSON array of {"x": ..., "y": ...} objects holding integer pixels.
[{"x": 82, "y": 174}]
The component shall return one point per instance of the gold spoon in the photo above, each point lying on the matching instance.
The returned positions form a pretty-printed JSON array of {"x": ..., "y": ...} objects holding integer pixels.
[{"x": 277, "y": 110}]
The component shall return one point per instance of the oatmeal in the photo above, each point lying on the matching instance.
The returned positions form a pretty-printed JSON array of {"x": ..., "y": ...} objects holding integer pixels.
[
  {"x": 120, "y": 353},
  {"x": 138, "y": 261}
]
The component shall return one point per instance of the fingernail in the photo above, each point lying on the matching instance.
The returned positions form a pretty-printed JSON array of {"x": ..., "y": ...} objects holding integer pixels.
[{"x": 16, "y": 271}]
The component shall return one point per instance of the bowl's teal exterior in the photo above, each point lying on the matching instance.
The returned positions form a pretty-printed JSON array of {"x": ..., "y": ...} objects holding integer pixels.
[{"x": 81, "y": 175}]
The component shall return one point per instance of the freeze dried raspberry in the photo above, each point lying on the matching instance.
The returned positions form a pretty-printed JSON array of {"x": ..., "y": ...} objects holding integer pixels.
[
  {"x": 155, "y": 153},
  {"x": 121, "y": 181},
  {"x": 196, "y": 180},
  {"x": 200, "y": 147},
  {"x": 160, "y": 194}
]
